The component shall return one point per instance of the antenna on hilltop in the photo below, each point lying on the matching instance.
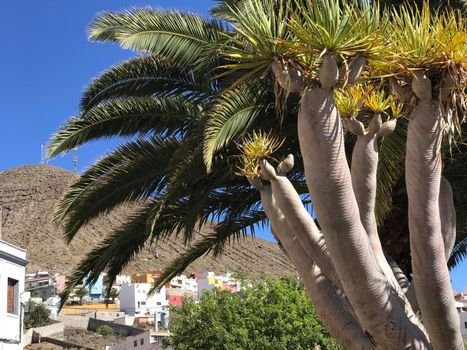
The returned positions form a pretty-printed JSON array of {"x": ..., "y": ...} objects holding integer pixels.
[
  {"x": 44, "y": 159},
  {"x": 75, "y": 160},
  {"x": 42, "y": 154}
]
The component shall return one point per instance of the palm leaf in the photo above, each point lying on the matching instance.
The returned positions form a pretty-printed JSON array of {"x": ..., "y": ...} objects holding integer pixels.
[
  {"x": 232, "y": 116},
  {"x": 126, "y": 117},
  {"x": 131, "y": 172},
  {"x": 146, "y": 76},
  {"x": 390, "y": 168},
  {"x": 185, "y": 38},
  {"x": 224, "y": 233},
  {"x": 115, "y": 251}
]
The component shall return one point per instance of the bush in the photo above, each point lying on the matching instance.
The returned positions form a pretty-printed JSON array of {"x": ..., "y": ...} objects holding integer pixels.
[
  {"x": 272, "y": 314},
  {"x": 104, "y": 330},
  {"x": 36, "y": 315}
]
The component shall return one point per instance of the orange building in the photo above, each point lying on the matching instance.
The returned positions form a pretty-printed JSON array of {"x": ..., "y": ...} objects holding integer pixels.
[{"x": 148, "y": 277}]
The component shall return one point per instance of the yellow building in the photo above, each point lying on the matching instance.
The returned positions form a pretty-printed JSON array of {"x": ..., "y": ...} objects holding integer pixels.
[{"x": 86, "y": 308}]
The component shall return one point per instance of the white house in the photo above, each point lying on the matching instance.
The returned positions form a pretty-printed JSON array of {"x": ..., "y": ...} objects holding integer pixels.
[
  {"x": 208, "y": 281},
  {"x": 134, "y": 300},
  {"x": 121, "y": 279},
  {"x": 184, "y": 282},
  {"x": 12, "y": 272}
]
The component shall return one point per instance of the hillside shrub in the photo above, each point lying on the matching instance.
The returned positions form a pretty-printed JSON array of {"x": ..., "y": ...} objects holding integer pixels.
[{"x": 104, "y": 330}]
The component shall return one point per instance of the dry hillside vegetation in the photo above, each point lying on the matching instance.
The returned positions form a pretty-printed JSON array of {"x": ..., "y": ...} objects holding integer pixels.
[{"x": 28, "y": 196}]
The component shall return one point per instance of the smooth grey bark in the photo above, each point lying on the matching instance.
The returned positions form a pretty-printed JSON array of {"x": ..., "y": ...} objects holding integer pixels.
[
  {"x": 447, "y": 213},
  {"x": 398, "y": 273},
  {"x": 328, "y": 302},
  {"x": 378, "y": 307},
  {"x": 423, "y": 178},
  {"x": 448, "y": 229},
  {"x": 364, "y": 182},
  {"x": 365, "y": 157},
  {"x": 297, "y": 217}
]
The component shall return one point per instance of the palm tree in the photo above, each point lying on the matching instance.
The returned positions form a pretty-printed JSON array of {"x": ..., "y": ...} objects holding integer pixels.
[
  {"x": 114, "y": 293},
  {"x": 80, "y": 292},
  {"x": 172, "y": 106}
]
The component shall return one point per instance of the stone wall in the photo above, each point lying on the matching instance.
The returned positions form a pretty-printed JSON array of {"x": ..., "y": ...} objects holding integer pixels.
[
  {"x": 81, "y": 321},
  {"x": 117, "y": 328},
  {"x": 45, "y": 331}
]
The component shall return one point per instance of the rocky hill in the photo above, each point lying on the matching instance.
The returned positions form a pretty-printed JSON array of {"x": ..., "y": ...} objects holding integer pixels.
[{"x": 28, "y": 196}]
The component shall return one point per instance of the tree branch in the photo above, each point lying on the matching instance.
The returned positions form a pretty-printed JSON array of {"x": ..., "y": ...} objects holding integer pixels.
[
  {"x": 423, "y": 177},
  {"x": 332, "y": 308},
  {"x": 364, "y": 182},
  {"x": 297, "y": 217},
  {"x": 447, "y": 213},
  {"x": 380, "y": 310}
]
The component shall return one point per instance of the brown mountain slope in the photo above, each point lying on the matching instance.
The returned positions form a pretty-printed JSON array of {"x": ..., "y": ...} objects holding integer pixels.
[{"x": 29, "y": 194}]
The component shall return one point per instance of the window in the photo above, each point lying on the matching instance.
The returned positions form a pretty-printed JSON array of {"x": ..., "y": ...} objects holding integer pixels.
[
  {"x": 142, "y": 342},
  {"x": 465, "y": 324},
  {"x": 143, "y": 303},
  {"x": 158, "y": 303},
  {"x": 12, "y": 296},
  {"x": 135, "y": 343}
]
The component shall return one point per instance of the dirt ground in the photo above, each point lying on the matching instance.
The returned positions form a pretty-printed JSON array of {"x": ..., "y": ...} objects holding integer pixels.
[{"x": 43, "y": 346}]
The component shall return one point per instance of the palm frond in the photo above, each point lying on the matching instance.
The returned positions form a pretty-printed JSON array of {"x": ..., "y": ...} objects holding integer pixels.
[
  {"x": 390, "y": 168},
  {"x": 115, "y": 251},
  {"x": 182, "y": 37},
  {"x": 458, "y": 254},
  {"x": 126, "y": 117},
  {"x": 232, "y": 116},
  {"x": 146, "y": 76},
  {"x": 349, "y": 101},
  {"x": 131, "y": 172},
  {"x": 224, "y": 233}
]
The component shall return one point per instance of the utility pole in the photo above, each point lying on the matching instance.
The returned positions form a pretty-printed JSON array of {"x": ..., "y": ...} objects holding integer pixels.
[{"x": 75, "y": 160}]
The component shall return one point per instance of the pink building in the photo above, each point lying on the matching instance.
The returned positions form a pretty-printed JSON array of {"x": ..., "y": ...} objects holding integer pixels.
[{"x": 59, "y": 282}]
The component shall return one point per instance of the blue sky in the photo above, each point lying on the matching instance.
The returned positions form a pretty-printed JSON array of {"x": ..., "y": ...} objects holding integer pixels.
[{"x": 45, "y": 62}]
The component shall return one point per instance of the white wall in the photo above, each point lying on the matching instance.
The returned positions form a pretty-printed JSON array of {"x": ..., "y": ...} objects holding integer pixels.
[
  {"x": 134, "y": 299},
  {"x": 134, "y": 342},
  {"x": 12, "y": 261}
]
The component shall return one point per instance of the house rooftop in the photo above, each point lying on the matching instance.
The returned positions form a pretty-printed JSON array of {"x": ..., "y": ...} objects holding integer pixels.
[{"x": 13, "y": 253}]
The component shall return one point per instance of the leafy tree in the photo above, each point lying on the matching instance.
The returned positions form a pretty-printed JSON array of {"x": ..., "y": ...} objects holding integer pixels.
[
  {"x": 80, "y": 292},
  {"x": 36, "y": 315},
  {"x": 186, "y": 105},
  {"x": 273, "y": 314}
]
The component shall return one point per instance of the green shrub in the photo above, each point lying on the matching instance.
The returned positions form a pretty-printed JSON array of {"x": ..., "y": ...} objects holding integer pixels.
[
  {"x": 104, "y": 330},
  {"x": 36, "y": 315},
  {"x": 273, "y": 314}
]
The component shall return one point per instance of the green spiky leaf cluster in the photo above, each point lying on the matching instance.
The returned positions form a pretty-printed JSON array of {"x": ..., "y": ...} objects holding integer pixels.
[{"x": 254, "y": 148}]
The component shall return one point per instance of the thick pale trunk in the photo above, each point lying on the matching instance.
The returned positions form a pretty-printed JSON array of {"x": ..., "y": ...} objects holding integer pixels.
[
  {"x": 364, "y": 182},
  {"x": 299, "y": 220},
  {"x": 447, "y": 213},
  {"x": 398, "y": 273},
  {"x": 365, "y": 159},
  {"x": 378, "y": 308},
  {"x": 327, "y": 300},
  {"x": 423, "y": 176},
  {"x": 448, "y": 229}
]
